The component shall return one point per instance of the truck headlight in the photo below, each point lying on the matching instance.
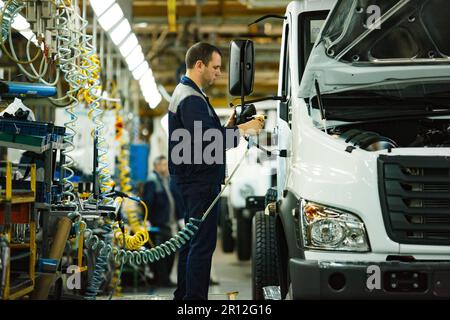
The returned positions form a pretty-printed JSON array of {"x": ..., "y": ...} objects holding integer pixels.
[{"x": 327, "y": 228}]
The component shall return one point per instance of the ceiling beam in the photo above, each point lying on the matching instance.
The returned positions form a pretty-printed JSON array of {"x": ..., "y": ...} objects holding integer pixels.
[{"x": 216, "y": 9}]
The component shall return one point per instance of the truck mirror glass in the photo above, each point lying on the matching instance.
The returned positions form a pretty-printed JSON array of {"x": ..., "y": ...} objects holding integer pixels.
[{"x": 241, "y": 69}]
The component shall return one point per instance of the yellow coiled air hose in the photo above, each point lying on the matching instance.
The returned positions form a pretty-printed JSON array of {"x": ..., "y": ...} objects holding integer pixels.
[{"x": 140, "y": 234}]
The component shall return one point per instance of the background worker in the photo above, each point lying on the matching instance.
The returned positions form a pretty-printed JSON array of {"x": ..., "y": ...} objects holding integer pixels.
[
  {"x": 165, "y": 208},
  {"x": 199, "y": 182}
]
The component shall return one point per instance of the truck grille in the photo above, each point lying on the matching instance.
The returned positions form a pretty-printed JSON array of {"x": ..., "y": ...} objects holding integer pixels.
[{"x": 415, "y": 198}]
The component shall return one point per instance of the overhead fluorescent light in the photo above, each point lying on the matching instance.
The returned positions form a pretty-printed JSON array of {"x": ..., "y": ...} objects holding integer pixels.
[
  {"x": 120, "y": 32},
  {"x": 140, "y": 70},
  {"x": 128, "y": 45},
  {"x": 135, "y": 58},
  {"x": 146, "y": 79},
  {"x": 151, "y": 86},
  {"x": 152, "y": 95},
  {"x": 99, "y": 6},
  {"x": 141, "y": 24},
  {"x": 155, "y": 100},
  {"x": 149, "y": 92},
  {"x": 108, "y": 19},
  {"x": 111, "y": 19}
]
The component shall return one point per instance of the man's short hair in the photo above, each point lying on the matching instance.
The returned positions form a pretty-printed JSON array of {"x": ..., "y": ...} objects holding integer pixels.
[
  {"x": 158, "y": 159},
  {"x": 200, "y": 51}
]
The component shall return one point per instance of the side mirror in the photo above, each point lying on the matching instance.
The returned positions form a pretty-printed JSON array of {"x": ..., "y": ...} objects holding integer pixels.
[{"x": 241, "y": 69}]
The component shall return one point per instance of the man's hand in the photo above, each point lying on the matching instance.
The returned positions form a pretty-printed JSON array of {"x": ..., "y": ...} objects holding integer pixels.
[
  {"x": 231, "y": 120},
  {"x": 252, "y": 127}
]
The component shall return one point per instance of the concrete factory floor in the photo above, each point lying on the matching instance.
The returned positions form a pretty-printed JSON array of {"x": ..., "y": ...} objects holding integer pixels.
[{"x": 233, "y": 277}]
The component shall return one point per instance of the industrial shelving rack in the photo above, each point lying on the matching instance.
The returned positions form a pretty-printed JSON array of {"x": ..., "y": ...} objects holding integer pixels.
[
  {"x": 46, "y": 140},
  {"x": 16, "y": 208}
]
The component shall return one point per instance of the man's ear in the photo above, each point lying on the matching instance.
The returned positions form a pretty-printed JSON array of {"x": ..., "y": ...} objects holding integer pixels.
[{"x": 199, "y": 65}]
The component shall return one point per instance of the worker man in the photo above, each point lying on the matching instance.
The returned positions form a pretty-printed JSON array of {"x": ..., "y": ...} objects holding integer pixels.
[
  {"x": 199, "y": 170},
  {"x": 165, "y": 209}
]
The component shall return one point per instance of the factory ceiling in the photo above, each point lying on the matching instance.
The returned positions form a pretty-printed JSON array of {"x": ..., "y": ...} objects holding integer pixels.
[
  {"x": 165, "y": 32},
  {"x": 166, "y": 29}
]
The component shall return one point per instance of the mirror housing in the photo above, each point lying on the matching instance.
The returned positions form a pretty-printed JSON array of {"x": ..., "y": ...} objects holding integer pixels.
[{"x": 241, "y": 70}]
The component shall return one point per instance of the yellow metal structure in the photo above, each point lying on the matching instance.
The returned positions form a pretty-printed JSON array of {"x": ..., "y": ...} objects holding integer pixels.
[
  {"x": 10, "y": 197},
  {"x": 80, "y": 248},
  {"x": 172, "y": 15}
]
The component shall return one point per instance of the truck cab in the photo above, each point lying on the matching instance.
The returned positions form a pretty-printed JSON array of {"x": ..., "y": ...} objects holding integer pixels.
[{"x": 362, "y": 205}]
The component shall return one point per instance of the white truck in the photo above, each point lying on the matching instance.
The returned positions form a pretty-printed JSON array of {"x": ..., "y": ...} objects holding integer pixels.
[
  {"x": 363, "y": 179},
  {"x": 256, "y": 175}
]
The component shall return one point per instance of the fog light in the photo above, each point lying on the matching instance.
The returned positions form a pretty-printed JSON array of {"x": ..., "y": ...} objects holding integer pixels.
[{"x": 337, "y": 281}]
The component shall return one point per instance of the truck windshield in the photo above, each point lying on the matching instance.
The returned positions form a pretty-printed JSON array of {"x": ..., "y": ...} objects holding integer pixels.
[
  {"x": 310, "y": 24},
  {"x": 389, "y": 101}
]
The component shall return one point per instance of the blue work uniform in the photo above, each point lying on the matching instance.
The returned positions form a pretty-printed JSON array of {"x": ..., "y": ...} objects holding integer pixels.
[
  {"x": 199, "y": 182},
  {"x": 156, "y": 197},
  {"x": 162, "y": 202}
]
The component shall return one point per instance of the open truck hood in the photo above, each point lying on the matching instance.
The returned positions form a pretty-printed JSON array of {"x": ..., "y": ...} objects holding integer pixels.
[{"x": 368, "y": 42}]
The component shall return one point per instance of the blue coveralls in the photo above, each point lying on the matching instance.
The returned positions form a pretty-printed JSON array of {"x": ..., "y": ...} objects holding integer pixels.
[
  {"x": 199, "y": 184},
  {"x": 157, "y": 201}
]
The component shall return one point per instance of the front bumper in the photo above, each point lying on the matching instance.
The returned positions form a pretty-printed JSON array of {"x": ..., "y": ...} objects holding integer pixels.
[{"x": 369, "y": 280}]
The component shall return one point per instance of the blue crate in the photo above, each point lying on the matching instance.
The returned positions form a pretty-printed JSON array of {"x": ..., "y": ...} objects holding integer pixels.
[
  {"x": 58, "y": 134},
  {"x": 59, "y": 130},
  {"x": 33, "y": 128},
  {"x": 139, "y": 154}
]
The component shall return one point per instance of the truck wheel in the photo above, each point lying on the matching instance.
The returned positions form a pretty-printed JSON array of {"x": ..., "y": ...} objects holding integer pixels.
[
  {"x": 244, "y": 240},
  {"x": 226, "y": 227},
  {"x": 271, "y": 196},
  {"x": 227, "y": 236},
  {"x": 264, "y": 255}
]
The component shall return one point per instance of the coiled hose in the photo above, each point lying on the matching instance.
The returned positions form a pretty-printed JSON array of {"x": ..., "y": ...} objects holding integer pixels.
[
  {"x": 145, "y": 255},
  {"x": 68, "y": 54},
  {"x": 96, "y": 113},
  {"x": 140, "y": 236},
  {"x": 124, "y": 167},
  {"x": 101, "y": 266},
  {"x": 8, "y": 12},
  {"x": 115, "y": 285},
  {"x": 124, "y": 155},
  {"x": 130, "y": 209},
  {"x": 167, "y": 248},
  {"x": 10, "y": 9},
  {"x": 93, "y": 96}
]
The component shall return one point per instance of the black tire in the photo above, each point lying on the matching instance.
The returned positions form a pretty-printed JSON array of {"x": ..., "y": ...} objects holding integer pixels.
[
  {"x": 244, "y": 238},
  {"x": 226, "y": 227},
  {"x": 227, "y": 236},
  {"x": 223, "y": 211},
  {"x": 264, "y": 255},
  {"x": 271, "y": 196}
]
